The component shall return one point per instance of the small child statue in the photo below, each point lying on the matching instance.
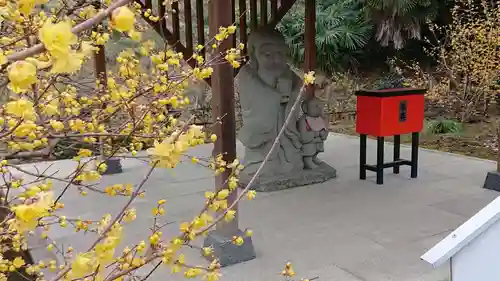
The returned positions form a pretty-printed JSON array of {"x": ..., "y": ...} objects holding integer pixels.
[{"x": 313, "y": 132}]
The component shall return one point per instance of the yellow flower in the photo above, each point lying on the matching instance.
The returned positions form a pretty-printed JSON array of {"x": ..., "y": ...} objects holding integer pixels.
[
  {"x": 213, "y": 137},
  {"x": 229, "y": 216},
  {"x": 234, "y": 164},
  {"x": 26, "y": 6},
  {"x": 57, "y": 38},
  {"x": 309, "y": 78},
  {"x": 83, "y": 152},
  {"x": 83, "y": 265},
  {"x": 223, "y": 194},
  {"x": 288, "y": 270},
  {"x": 232, "y": 183},
  {"x": 130, "y": 215},
  {"x": 168, "y": 152},
  {"x": 207, "y": 251},
  {"x": 18, "y": 262},
  {"x": 27, "y": 215},
  {"x": 69, "y": 63},
  {"x": 193, "y": 272},
  {"x": 21, "y": 108},
  {"x": 135, "y": 35},
  {"x": 3, "y": 58},
  {"x": 104, "y": 253},
  {"x": 231, "y": 29},
  {"x": 57, "y": 125},
  {"x": 51, "y": 108},
  {"x": 123, "y": 19},
  {"x": 238, "y": 240},
  {"x": 235, "y": 64},
  {"x": 212, "y": 276},
  {"x": 251, "y": 194},
  {"x": 22, "y": 75}
]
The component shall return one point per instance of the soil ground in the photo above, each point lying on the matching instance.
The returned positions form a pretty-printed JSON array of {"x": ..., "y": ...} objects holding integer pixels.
[{"x": 476, "y": 139}]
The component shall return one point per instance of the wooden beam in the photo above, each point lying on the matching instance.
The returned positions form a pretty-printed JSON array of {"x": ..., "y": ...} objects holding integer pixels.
[
  {"x": 253, "y": 14},
  {"x": 176, "y": 26},
  {"x": 233, "y": 20},
  {"x": 243, "y": 24},
  {"x": 284, "y": 8},
  {"x": 162, "y": 24},
  {"x": 171, "y": 40},
  {"x": 263, "y": 12},
  {"x": 274, "y": 8},
  {"x": 310, "y": 40},
  {"x": 188, "y": 24},
  {"x": 200, "y": 25},
  {"x": 223, "y": 109}
]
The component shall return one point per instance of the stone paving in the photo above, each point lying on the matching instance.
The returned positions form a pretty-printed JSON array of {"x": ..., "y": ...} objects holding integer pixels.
[{"x": 344, "y": 229}]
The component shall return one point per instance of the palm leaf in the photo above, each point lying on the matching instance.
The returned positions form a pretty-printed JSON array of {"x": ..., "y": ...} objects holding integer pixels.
[{"x": 341, "y": 30}]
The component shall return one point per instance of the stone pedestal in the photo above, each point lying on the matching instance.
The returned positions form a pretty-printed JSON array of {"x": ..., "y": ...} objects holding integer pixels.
[
  {"x": 492, "y": 181},
  {"x": 114, "y": 166},
  {"x": 279, "y": 182},
  {"x": 228, "y": 253}
]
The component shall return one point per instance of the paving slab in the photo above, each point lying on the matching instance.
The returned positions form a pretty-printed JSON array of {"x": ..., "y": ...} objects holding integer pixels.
[{"x": 345, "y": 229}]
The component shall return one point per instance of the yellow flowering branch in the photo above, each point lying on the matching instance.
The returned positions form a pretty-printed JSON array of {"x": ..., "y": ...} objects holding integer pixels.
[
  {"x": 86, "y": 25},
  {"x": 43, "y": 176}
]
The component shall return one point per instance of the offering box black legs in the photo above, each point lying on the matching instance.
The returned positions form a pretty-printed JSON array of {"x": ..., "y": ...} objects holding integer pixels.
[{"x": 379, "y": 167}]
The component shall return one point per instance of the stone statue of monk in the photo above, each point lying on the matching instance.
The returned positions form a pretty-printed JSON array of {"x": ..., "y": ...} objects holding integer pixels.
[{"x": 267, "y": 90}]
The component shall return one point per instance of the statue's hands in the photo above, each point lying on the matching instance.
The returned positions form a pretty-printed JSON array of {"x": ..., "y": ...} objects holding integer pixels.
[{"x": 297, "y": 143}]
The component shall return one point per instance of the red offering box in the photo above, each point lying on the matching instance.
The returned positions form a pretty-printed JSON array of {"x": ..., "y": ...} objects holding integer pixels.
[{"x": 390, "y": 112}]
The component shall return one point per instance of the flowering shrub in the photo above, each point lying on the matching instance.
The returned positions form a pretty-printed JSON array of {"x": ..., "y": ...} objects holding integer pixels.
[
  {"x": 125, "y": 112},
  {"x": 469, "y": 60}
]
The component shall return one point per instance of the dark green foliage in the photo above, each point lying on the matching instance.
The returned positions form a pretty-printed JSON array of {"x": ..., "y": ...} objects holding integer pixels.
[
  {"x": 400, "y": 20},
  {"x": 444, "y": 126},
  {"x": 341, "y": 31}
]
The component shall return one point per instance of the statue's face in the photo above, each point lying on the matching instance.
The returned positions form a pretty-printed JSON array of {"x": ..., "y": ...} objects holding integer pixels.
[
  {"x": 272, "y": 58},
  {"x": 314, "y": 108}
]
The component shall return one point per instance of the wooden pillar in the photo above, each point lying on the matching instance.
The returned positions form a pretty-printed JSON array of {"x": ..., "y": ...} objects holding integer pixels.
[
  {"x": 243, "y": 24},
  {"x": 223, "y": 114},
  {"x": 223, "y": 110},
  {"x": 310, "y": 40},
  {"x": 100, "y": 65}
]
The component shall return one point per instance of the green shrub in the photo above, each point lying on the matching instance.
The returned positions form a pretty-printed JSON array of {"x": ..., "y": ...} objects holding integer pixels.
[{"x": 444, "y": 126}]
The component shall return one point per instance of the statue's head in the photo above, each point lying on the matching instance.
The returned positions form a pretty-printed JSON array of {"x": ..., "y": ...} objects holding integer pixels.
[
  {"x": 312, "y": 107},
  {"x": 268, "y": 51}
]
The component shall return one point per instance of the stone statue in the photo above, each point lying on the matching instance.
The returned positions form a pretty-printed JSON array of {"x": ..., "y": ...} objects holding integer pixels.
[
  {"x": 267, "y": 89},
  {"x": 313, "y": 132}
]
